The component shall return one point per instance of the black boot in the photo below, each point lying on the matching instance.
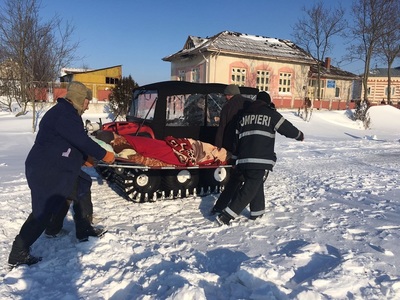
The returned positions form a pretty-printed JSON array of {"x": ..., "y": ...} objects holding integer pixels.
[
  {"x": 224, "y": 218},
  {"x": 215, "y": 210},
  {"x": 84, "y": 229},
  {"x": 29, "y": 233},
  {"x": 20, "y": 255}
]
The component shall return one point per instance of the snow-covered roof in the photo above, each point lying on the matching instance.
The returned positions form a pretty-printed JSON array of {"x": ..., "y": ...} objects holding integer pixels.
[
  {"x": 331, "y": 72},
  {"x": 244, "y": 44},
  {"x": 66, "y": 71},
  {"x": 383, "y": 72}
]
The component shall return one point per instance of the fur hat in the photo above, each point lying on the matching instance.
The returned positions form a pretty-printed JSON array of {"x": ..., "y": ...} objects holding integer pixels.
[
  {"x": 264, "y": 96},
  {"x": 232, "y": 89},
  {"x": 77, "y": 92},
  {"x": 89, "y": 94}
]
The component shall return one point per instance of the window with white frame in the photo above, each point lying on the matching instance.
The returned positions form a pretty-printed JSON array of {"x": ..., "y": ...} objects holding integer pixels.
[
  {"x": 181, "y": 75},
  {"x": 262, "y": 80},
  {"x": 393, "y": 91},
  {"x": 239, "y": 76},
  {"x": 196, "y": 75},
  {"x": 284, "y": 82}
]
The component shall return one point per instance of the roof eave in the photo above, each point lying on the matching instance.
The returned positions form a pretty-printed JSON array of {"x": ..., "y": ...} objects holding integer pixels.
[{"x": 211, "y": 51}]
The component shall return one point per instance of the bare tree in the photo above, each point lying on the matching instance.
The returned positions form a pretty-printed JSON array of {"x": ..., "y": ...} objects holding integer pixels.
[
  {"x": 315, "y": 31},
  {"x": 371, "y": 19},
  {"x": 389, "y": 45},
  {"x": 39, "y": 49}
]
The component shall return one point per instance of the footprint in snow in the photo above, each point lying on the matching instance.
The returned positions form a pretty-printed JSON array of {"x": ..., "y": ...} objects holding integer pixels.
[
  {"x": 320, "y": 264},
  {"x": 380, "y": 249}
]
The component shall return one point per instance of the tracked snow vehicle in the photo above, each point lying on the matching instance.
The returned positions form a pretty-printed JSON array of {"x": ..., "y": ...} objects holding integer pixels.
[{"x": 178, "y": 109}]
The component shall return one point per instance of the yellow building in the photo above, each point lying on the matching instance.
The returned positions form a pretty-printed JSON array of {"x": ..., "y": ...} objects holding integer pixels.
[{"x": 100, "y": 81}]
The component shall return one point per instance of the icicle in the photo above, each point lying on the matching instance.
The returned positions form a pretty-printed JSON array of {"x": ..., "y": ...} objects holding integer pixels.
[
  {"x": 179, "y": 194},
  {"x": 194, "y": 193},
  {"x": 154, "y": 197},
  {"x": 171, "y": 195},
  {"x": 146, "y": 197},
  {"x": 187, "y": 193},
  {"x": 162, "y": 195},
  {"x": 202, "y": 191}
]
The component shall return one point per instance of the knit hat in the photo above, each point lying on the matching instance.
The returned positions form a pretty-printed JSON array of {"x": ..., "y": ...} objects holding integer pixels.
[
  {"x": 232, "y": 89},
  {"x": 264, "y": 96},
  {"x": 77, "y": 92}
]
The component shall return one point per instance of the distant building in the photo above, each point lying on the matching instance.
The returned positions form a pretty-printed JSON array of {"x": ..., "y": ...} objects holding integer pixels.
[
  {"x": 336, "y": 86},
  {"x": 100, "y": 81},
  {"x": 378, "y": 88},
  {"x": 278, "y": 66}
]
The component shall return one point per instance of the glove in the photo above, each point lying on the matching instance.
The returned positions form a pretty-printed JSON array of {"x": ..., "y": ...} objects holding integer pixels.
[
  {"x": 300, "y": 136},
  {"x": 89, "y": 162},
  {"x": 109, "y": 158}
]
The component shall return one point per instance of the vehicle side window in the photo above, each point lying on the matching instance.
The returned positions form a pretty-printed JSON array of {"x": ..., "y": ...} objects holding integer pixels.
[
  {"x": 174, "y": 110},
  {"x": 143, "y": 105},
  {"x": 186, "y": 110},
  {"x": 195, "y": 110},
  {"x": 215, "y": 102}
]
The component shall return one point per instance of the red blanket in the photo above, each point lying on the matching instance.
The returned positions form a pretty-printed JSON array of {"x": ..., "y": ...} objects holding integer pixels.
[
  {"x": 153, "y": 148},
  {"x": 182, "y": 149}
]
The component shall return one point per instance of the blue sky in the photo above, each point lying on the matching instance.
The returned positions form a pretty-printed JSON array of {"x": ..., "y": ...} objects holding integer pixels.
[{"x": 137, "y": 34}]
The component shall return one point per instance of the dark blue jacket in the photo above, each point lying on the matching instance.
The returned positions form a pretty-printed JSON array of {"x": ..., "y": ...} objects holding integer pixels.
[
  {"x": 256, "y": 135},
  {"x": 54, "y": 162}
]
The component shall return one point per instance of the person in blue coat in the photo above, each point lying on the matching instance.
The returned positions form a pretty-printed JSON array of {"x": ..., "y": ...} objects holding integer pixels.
[{"x": 53, "y": 166}]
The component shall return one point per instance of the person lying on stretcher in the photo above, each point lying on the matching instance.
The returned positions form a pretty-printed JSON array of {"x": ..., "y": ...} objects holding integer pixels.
[{"x": 168, "y": 152}]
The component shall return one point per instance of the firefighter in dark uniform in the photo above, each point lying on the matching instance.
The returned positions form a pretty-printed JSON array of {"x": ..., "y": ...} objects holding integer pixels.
[{"x": 255, "y": 153}]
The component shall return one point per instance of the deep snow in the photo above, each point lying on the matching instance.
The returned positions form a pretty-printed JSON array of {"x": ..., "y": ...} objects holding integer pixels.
[{"x": 331, "y": 230}]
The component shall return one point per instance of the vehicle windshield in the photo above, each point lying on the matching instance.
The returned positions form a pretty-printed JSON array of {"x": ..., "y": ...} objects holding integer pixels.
[{"x": 143, "y": 104}]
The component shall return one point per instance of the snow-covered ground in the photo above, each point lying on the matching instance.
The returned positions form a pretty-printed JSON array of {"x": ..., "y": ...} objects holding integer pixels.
[{"x": 331, "y": 231}]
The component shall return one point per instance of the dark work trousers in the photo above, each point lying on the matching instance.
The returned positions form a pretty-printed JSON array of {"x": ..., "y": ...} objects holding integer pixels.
[
  {"x": 34, "y": 226},
  {"x": 30, "y": 231},
  {"x": 232, "y": 187},
  {"x": 82, "y": 205},
  {"x": 252, "y": 192}
]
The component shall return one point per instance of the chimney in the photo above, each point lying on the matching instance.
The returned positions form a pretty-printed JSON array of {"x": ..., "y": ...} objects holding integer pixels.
[{"x": 328, "y": 63}]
